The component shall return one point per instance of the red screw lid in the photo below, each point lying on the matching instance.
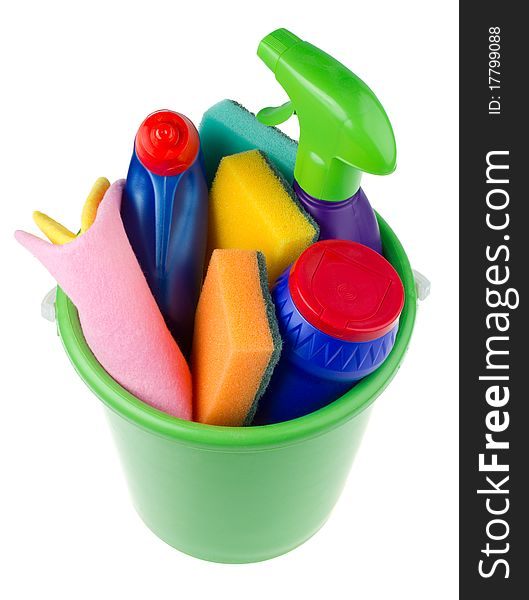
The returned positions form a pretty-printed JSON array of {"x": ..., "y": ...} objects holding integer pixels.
[
  {"x": 167, "y": 143},
  {"x": 346, "y": 290}
]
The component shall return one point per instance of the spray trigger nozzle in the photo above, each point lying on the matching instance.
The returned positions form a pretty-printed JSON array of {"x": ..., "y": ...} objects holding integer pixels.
[{"x": 275, "y": 115}]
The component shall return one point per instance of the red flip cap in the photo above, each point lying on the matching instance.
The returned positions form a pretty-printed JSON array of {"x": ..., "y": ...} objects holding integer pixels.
[
  {"x": 346, "y": 290},
  {"x": 167, "y": 143}
]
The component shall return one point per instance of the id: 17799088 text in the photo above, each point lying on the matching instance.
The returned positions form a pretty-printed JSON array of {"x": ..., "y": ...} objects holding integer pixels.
[{"x": 494, "y": 70}]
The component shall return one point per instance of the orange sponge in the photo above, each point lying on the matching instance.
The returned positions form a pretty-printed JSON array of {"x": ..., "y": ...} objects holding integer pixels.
[{"x": 236, "y": 342}]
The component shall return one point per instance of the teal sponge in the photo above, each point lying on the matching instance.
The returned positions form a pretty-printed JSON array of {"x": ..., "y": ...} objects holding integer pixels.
[{"x": 228, "y": 128}]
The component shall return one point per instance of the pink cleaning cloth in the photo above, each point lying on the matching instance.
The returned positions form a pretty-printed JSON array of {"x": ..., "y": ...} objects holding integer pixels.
[{"x": 119, "y": 316}]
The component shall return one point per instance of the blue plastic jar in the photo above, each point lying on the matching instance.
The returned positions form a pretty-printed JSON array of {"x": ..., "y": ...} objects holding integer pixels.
[{"x": 338, "y": 309}]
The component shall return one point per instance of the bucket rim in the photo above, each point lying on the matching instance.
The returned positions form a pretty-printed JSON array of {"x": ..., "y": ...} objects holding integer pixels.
[{"x": 356, "y": 400}]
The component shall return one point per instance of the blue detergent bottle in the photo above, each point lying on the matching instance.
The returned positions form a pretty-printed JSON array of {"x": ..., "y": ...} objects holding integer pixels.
[
  {"x": 338, "y": 309},
  {"x": 164, "y": 211}
]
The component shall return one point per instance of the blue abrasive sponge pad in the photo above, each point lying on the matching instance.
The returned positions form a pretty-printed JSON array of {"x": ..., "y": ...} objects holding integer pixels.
[{"x": 228, "y": 128}]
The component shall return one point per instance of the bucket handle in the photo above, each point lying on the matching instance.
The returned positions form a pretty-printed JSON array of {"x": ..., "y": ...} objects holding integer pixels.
[{"x": 47, "y": 306}]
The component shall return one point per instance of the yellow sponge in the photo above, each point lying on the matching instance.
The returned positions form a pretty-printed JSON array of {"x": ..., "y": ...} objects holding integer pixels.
[
  {"x": 253, "y": 208},
  {"x": 236, "y": 342}
]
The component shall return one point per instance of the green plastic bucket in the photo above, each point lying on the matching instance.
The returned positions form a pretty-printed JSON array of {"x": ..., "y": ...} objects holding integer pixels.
[{"x": 237, "y": 494}]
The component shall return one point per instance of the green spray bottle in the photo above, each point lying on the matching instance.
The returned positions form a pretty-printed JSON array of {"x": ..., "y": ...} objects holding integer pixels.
[{"x": 344, "y": 131}]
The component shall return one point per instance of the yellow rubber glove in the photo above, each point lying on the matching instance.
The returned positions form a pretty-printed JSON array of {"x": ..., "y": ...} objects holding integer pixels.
[{"x": 57, "y": 233}]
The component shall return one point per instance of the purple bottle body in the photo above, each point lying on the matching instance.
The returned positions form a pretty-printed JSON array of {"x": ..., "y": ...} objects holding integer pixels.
[{"x": 351, "y": 219}]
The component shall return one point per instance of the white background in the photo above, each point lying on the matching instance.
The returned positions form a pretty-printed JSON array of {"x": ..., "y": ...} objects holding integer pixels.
[{"x": 77, "y": 79}]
